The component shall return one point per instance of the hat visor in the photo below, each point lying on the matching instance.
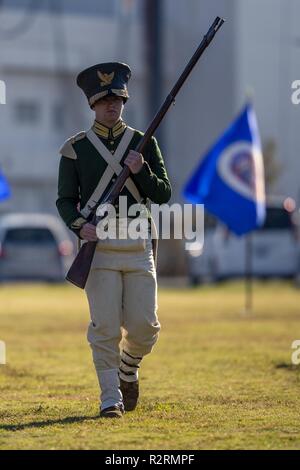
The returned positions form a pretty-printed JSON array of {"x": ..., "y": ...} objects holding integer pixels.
[{"x": 122, "y": 93}]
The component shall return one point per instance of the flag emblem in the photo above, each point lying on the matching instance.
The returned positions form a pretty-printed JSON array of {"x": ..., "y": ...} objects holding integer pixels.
[{"x": 229, "y": 180}]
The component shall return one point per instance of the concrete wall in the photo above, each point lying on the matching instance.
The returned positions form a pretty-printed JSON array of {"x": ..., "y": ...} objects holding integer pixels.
[
  {"x": 40, "y": 68},
  {"x": 268, "y": 61},
  {"x": 205, "y": 104}
]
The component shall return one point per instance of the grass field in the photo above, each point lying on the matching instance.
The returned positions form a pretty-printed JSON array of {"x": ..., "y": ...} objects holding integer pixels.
[{"x": 217, "y": 379}]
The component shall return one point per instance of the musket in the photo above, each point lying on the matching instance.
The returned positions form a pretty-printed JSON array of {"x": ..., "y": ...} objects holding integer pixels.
[{"x": 79, "y": 270}]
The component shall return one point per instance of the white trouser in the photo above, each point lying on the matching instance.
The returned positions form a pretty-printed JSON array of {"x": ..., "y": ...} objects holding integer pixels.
[
  {"x": 109, "y": 383},
  {"x": 122, "y": 295}
]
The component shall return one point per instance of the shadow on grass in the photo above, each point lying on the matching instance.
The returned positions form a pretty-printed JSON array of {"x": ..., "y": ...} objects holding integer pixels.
[
  {"x": 287, "y": 366},
  {"x": 48, "y": 422}
]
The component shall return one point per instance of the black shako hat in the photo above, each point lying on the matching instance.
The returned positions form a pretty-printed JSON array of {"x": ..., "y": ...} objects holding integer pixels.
[{"x": 100, "y": 80}]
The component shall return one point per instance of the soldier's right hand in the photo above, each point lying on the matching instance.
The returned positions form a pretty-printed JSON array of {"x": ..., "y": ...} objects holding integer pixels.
[{"x": 88, "y": 232}]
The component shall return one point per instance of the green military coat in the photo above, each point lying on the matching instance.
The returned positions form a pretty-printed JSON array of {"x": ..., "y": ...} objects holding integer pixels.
[{"x": 81, "y": 168}]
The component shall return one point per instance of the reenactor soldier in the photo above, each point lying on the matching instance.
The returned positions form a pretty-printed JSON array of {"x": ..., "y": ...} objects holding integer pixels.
[{"x": 121, "y": 286}]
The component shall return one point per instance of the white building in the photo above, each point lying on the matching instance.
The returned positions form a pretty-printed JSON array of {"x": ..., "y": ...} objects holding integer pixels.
[
  {"x": 43, "y": 50},
  {"x": 44, "y": 106},
  {"x": 257, "y": 49}
]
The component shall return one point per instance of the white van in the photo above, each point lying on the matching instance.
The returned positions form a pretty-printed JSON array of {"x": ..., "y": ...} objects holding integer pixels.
[
  {"x": 275, "y": 250},
  {"x": 34, "y": 247},
  {"x": 201, "y": 260}
]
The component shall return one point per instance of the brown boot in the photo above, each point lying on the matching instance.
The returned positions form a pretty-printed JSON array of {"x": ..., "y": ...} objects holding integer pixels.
[
  {"x": 130, "y": 392},
  {"x": 112, "y": 412}
]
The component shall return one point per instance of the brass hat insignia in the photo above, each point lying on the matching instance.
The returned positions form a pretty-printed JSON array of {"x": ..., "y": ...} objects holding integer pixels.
[{"x": 106, "y": 78}]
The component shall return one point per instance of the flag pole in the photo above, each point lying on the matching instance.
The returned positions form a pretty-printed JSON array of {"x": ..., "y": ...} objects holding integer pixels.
[
  {"x": 249, "y": 242},
  {"x": 248, "y": 274}
]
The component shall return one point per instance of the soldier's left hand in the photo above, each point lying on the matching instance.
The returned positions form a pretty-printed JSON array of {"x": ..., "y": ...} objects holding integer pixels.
[{"x": 135, "y": 161}]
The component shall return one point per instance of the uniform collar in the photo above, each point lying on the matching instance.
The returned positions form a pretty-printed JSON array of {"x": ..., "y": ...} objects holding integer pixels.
[{"x": 109, "y": 132}]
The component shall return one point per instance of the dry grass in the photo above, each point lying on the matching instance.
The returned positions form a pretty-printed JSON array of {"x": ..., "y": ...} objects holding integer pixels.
[{"x": 216, "y": 379}]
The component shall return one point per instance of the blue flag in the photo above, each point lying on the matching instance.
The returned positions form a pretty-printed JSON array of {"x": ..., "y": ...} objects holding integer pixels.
[
  {"x": 4, "y": 188},
  {"x": 230, "y": 178}
]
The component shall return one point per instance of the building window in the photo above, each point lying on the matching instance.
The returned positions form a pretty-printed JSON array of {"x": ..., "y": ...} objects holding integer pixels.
[
  {"x": 27, "y": 112},
  {"x": 82, "y": 7},
  {"x": 58, "y": 117}
]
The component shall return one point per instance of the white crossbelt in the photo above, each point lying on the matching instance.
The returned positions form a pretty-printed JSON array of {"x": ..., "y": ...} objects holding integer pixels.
[{"x": 113, "y": 166}]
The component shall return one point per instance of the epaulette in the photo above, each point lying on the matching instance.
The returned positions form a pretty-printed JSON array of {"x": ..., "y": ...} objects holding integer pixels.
[{"x": 67, "y": 149}]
